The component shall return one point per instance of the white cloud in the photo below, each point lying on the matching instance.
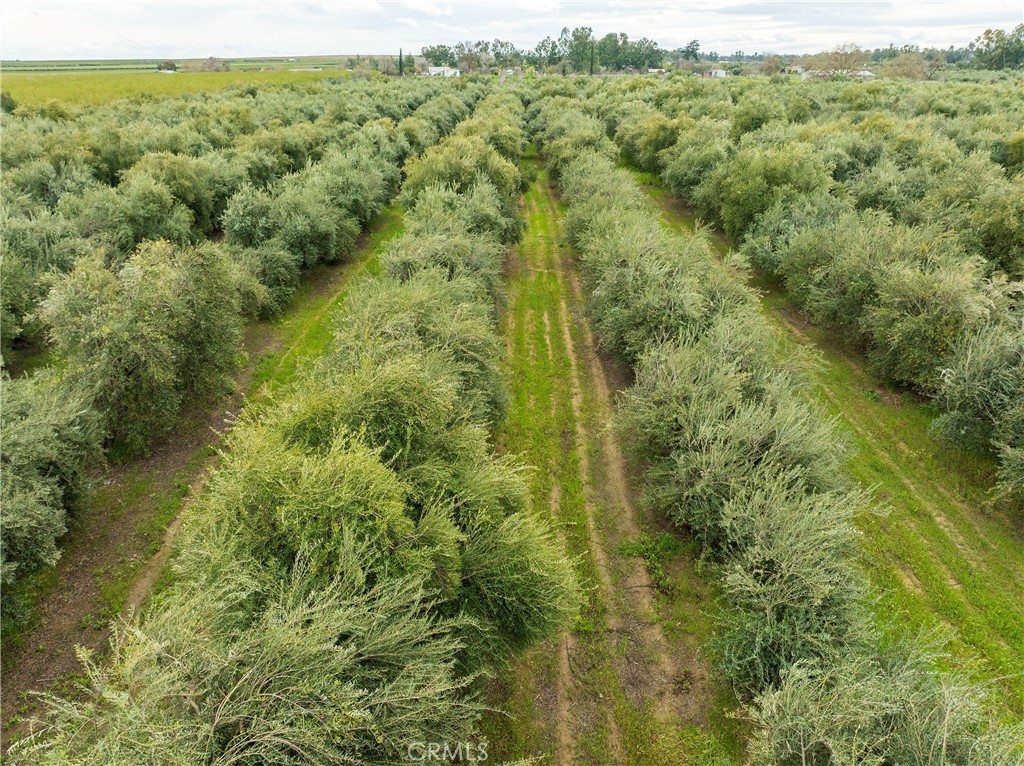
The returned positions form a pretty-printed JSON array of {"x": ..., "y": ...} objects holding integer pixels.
[
  {"x": 193, "y": 28},
  {"x": 427, "y": 7}
]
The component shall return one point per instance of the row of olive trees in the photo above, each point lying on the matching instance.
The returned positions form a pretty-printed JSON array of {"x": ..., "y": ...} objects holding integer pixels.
[
  {"x": 921, "y": 171},
  {"x": 141, "y": 335},
  {"x": 882, "y": 228},
  {"x": 737, "y": 456},
  {"x": 362, "y": 554},
  {"x": 117, "y": 175}
]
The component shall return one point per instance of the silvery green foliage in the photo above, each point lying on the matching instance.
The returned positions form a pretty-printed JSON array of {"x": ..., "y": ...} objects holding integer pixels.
[
  {"x": 983, "y": 395},
  {"x": 880, "y": 708},
  {"x": 738, "y": 457},
  {"x": 892, "y": 212},
  {"x": 339, "y": 672},
  {"x": 359, "y": 556},
  {"x": 141, "y": 340},
  {"x": 99, "y": 255},
  {"x": 50, "y": 436}
]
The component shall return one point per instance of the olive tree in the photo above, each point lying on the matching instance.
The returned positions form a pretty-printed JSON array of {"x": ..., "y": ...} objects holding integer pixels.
[{"x": 144, "y": 339}]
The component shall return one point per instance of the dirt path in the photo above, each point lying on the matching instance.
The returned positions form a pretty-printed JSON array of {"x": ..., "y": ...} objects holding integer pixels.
[
  {"x": 620, "y": 687},
  {"x": 115, "y": 550}
]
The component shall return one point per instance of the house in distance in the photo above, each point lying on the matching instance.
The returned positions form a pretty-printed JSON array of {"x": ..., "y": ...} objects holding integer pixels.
[{"x": 443, "y": 71}]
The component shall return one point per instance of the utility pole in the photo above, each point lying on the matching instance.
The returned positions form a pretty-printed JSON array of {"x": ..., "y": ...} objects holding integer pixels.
[
  {"x": 401, "y": 63},
  {"x": 591, "y": 58}
]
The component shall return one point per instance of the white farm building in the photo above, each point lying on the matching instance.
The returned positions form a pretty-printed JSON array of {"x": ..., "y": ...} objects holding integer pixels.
[{"x": 443, "y": 71}]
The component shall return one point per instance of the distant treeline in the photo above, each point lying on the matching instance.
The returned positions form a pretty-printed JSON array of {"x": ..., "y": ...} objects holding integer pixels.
[{"x": 579, "y": 51}]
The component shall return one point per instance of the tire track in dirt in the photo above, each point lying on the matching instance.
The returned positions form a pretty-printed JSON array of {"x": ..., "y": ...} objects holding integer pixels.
[
  {"x": 650, "y": 646},
  {"x": 597, "y": 551},
  {"x": 609, "y": 690},
  {"x": 627, "y": 526},
  {"x": 645, "y": 666},
  {"x": 547, "y": 255},
  {"x": 567, "y": 641},
  {"x": 872, "y": 431},
  {"x": 576, "y": 707},
  {"x": 522, "y": 322}
]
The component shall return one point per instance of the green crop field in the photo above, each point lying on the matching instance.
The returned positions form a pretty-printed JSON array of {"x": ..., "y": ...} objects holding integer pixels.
[{"x": 91, "y": 88}]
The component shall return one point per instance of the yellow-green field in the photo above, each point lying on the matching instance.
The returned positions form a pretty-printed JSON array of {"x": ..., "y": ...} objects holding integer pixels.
[{"x": 99, "y": 88}]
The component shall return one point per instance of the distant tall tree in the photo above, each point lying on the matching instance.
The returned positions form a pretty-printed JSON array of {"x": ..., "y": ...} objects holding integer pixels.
[
  {"x": 575, "y": 47},
  {"x": 504, "y": 53},
  {"x": 883, "y": 54},
  {"x": 910, "y": 66},
  {"x": 609, "y": 50},
  {"x": 691, "y": 51},
  {"x": 955, "y": 55},
  {"x": 645, "y": 53},
  {"x": 546, "y": 53},
  {"x": 563, "y": 44},
  {"x": 770, "y": 64},
  {"x": 470, "y": 55},
  {"x": 934, "y": 62},
  {"x": 440, "y": 55},
  {"x": 465, "y": 56},
  {"x": 843, "y": 59},
  {"x": 996, "y": 49},
  {"x": 575, "y": 50},
  {"x": 214, "y": 65}
]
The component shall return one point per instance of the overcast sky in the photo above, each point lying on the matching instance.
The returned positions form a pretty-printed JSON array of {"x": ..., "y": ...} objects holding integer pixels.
[{"x": 44, "y": 29}]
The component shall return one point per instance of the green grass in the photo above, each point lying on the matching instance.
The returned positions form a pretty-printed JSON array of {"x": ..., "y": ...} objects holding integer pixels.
[
  {"x": 105, "y": 505},
  {"x": 90, "y": 88},
  {"x": 116, "y": 582},
  {"x": 541, "y": 426},
  {"x": 945, "y": 557},
  {"x": 305, "y": 328},
  {"x": 26, "y": 593},
  {"x": 655, "y": 552}
]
